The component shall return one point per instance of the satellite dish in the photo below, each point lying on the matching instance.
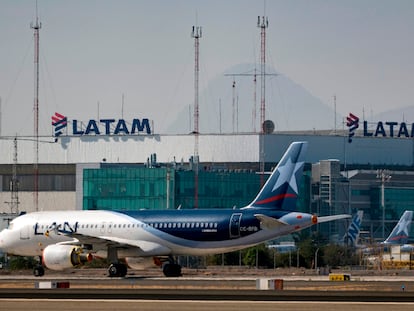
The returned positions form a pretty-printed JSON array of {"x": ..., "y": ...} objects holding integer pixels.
[{"x": 268, "y": 127}]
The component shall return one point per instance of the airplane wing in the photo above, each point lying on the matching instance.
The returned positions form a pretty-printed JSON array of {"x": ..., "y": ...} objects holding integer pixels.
[
  {"x": 332, "y": 217},
  {"x": 143, "y": 248},
  {"x": 269, "y": 223}
]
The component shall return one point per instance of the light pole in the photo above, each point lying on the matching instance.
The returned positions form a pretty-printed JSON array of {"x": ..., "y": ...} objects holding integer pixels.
[
  {"x": 384, "y": 177},
  {"x": 316, "y": 259},
  {"x": 297, "y": 258}
]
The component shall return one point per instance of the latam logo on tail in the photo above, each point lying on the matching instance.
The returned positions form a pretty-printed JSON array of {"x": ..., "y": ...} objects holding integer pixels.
[{"x": 99, "y": 127}]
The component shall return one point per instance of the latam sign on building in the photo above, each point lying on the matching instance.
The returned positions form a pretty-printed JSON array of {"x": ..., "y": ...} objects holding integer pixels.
[
  {"x": 390, "y": 129},
  {"x": 99, "y": 127},
  {"x": 382, "y": 129}
]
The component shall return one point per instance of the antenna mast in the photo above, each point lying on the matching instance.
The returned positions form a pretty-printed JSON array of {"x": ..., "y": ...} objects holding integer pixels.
[
  {"x": 14, "y": 183},
  {"x": 196, "y": 34},
  {"x": 36, "y": 27},
  {"x": 334, "y": 98},
  {"x": 234, "y": 104},
  {"x": 254, "y": 74},
  {"x": 262, "y": 23},
  {"x": 1, "y": 121}
]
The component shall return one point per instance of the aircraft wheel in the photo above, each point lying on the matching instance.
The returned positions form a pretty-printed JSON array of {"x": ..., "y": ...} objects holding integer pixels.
[
  {"x": 117, "y": 270},
  {"x": 172, "y": 270},
  {"x": 38, "y": 271}
]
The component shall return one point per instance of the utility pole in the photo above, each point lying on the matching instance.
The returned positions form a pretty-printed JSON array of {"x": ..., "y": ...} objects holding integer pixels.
[{"x": 36, "y": 27}]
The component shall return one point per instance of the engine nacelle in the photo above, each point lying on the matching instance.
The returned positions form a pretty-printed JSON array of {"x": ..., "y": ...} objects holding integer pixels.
[{"x": 60, "y": 257}]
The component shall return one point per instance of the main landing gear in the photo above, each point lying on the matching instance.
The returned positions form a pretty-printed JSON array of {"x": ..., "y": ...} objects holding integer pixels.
[
  {"x": 39, "y": 270},
  {"x": 171, "y": 269},
  {"x": 116, "y": 269}
]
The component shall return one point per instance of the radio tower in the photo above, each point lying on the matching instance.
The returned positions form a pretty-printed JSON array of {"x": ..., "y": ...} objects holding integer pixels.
[
  {"x": 262, "y": 23},
  {"x": 196, "y": 34},
  {"x": 36, "y": 27}
]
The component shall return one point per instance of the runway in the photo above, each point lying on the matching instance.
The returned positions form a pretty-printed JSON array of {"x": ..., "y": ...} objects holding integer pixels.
[
  {"x": 94, "y": 291},
  {"x": 207, "y": 295},
  {"x": 202, "y": 305}
]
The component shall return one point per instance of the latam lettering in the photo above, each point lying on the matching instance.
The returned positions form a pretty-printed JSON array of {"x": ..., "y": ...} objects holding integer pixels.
[
  {"x": 64, "y": 227},
  {"x": 395, "y": 129},
  {"x": 121, "y": 127}
]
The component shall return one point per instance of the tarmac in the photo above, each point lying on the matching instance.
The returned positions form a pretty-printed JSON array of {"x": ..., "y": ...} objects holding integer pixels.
[{"x": 205, "y": 289}]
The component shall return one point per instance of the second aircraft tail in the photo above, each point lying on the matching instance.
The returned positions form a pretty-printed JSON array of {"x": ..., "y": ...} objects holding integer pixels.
[{"x": 400, "y": 233}]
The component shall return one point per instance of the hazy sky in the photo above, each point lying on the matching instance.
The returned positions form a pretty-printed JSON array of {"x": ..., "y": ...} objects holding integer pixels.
[{"x": 94, "y": 51}]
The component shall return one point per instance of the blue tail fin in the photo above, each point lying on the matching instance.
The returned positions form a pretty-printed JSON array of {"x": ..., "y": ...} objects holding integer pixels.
[
  {"x": 399, "y": 235},
  {"x": 281, "y": 189},
  {"x": 352, "y": 235}
]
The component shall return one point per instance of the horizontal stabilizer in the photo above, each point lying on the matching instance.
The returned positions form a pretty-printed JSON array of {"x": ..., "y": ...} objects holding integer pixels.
[
  {"x": 269, "y": 223},
  {"x": 333, "y": 217}
]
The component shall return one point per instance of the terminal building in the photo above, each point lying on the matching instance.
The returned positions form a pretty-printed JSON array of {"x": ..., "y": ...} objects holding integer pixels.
[{"x": 373, "y": 173}]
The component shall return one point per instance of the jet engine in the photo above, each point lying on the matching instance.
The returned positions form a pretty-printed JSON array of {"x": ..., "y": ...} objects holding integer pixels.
[{"x": 60, "y": 257}]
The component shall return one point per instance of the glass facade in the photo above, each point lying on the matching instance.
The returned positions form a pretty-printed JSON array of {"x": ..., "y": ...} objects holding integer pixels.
[
  {"x": 162, "y": 188},
  {"x": 127, "y": 189},
  {"x": 216, "y": 189},
  {"x": 397, "y": 200}
]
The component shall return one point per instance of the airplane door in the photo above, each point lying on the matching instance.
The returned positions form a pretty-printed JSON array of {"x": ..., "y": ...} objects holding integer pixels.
[
  {"x": 103, "y": 227},
  {"x": 106, "y": 227},
  {"x": 235, "y": 225},
  {"x": 25, "y": 233}
]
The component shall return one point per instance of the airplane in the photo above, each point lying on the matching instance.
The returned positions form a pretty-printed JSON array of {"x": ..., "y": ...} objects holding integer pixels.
[
  {"x": 398, "y": 236},
  {"x": 351, "y": 237},
  {"x": 66, "y": 239}
]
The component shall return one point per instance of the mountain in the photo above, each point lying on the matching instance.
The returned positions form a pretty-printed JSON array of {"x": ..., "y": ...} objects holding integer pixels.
[
  {"x": 399, "y": 115},
  {"x": 289, "y": 105}
]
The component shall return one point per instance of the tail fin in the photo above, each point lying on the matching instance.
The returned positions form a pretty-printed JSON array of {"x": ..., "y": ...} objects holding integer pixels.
[
  {"x": 399, "y": 235},
  {"x": 281, "y": 189},
  {"x": 352, "y": 235}
]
